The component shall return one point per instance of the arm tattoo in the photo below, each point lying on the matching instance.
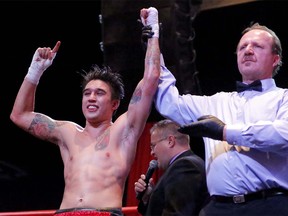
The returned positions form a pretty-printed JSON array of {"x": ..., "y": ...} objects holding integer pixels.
[
  {"x": 41, "y": 126},
  {"x": 136, "y": 96}
]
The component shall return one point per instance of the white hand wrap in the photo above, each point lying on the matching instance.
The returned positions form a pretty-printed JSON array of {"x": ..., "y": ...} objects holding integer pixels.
[
  {"x": 38, "y": 66},
  {"x": 152, "y": 20}
]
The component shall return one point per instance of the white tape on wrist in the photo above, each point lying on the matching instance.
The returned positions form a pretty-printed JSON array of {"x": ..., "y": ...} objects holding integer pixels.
[
  {"x": 34, "y": 75},
  {"x": 155, "y": 29}
]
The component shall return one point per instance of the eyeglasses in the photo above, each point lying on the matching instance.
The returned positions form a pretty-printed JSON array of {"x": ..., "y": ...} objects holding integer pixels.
[{"x": 152, "y": 145}]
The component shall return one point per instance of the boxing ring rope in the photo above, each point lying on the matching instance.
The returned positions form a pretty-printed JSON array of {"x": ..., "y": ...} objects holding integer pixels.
[{"x": 129, "y": 211}]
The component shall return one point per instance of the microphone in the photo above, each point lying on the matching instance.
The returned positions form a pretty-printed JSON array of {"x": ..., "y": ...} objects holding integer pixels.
[{"x": 153, "y": 165}]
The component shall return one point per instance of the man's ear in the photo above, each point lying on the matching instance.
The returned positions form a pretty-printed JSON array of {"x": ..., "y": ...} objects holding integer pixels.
[
  {"x": 276, "y": 60},
  {"x": 115, "y": 104},
  {"x": 171, "y": 141}
]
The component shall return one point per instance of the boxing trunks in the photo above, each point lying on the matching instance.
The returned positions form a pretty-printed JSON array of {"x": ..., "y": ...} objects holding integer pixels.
[{"x": 88, "y": 212}]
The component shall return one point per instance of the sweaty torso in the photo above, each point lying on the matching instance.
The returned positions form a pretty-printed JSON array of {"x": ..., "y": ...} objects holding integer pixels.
[{"x": 95, "y": 169}]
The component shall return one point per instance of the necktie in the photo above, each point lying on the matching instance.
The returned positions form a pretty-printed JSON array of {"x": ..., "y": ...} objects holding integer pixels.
[{"x": 256, "y": 85}]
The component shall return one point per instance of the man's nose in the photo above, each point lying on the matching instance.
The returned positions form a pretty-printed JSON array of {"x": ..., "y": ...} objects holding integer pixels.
[
  {"x": 249, "y": 49},
  {"x": 92, "y": 96}
]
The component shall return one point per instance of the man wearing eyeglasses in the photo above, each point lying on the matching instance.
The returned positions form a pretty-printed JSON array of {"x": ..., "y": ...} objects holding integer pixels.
[{"x": 181, "y": 190}]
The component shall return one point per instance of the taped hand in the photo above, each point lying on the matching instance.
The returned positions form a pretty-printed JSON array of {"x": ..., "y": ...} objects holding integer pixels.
[{"x": 42, "y": 59}]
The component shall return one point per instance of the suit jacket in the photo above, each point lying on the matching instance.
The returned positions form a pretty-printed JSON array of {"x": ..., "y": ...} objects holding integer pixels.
[{"x": 181, "y": 190}]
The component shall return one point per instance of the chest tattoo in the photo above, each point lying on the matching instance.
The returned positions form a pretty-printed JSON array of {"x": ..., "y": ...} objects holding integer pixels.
[{"x": 103, "y": 140}]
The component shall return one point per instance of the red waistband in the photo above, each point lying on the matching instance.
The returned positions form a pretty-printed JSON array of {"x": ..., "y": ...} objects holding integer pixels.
[{"x": 80, "y": 212}]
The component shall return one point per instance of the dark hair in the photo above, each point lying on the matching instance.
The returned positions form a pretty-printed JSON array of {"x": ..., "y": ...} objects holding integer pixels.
[
  {"x": 276, "y": 46},
  {"x": 107, "y": 75}
]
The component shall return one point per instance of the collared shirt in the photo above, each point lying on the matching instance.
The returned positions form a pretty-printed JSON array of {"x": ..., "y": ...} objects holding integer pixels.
[
  {"x": 255, "y": 156},
  {"x": 174, "y": 158}
]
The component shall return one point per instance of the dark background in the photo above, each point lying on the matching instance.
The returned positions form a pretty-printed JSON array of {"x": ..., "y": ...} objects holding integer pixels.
[{"x": 31, "y": 171}]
